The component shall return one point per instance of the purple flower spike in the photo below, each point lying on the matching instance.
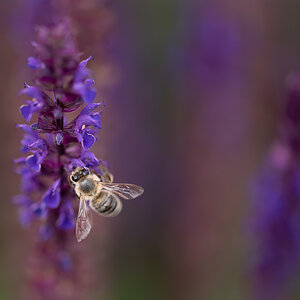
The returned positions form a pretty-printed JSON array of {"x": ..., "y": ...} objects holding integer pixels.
[
  {"x": 276, "y": 206},
  {"x": 52, "y": 196},
  {"x": 52, "y": 146}
]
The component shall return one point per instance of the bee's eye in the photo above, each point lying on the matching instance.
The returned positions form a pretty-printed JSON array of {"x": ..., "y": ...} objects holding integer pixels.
[
  {"x": 74, "y": 178},
  {"x": 85, "y": 172}
]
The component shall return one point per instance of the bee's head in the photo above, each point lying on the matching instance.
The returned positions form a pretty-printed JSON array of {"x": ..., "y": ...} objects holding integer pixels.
[{"x": 78, "y": 173}]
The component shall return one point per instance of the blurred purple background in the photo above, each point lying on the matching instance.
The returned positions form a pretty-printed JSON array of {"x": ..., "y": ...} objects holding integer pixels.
[{"x": 192, "y": 92}]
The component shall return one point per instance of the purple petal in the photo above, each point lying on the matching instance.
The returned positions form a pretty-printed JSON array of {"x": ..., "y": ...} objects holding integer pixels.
[
  {"x": 39, "y": 209},
  {"x": 82, "y": 120},
  {"x": 97, "y": 120},
  {"x": 89, "y": 95},
  {"x": 28, "y": 178},
  {"x": 89, "y": 158},
  {"x": 21, "y": 200},
  {"x": 89, "y": 108},
  {"x": 88, "y": 140},
  {"x": 29, "y": 138},
  {"x": 40, "y": 146},
  {"x": 26, "y": 128},
  {"x": 75, "y": 162},
  {"x": 24, "y": 149},
  {"x": 66, "y": 219},
  {"x": 20, "y": 160},
  {"x": 84, "y": 62},
  {"x": 89, "y": 82},
  {"x": 82, "y": 72},
  {"x": 33, "y": 162},
  {"x": 25, "y": 216},
  {"x": 34, "y": 63},
  {"x": 52, "y": 196},
  {"x": 86, "y": 120},
  {"x": 33, "y": 92},
  {"x": 40, "y": 97},
  {"x": 26, "y": 111}
]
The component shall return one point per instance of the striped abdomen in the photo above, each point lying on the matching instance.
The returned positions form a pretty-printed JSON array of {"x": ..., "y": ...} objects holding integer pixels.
[{"x": 107, "y": 204}]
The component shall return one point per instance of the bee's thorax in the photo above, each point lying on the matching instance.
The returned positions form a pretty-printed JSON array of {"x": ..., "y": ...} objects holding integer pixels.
[{"x": 87, "y": 185}]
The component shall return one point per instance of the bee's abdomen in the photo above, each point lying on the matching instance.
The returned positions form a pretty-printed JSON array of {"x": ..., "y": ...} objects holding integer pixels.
[{"x": 108, "y": 205}]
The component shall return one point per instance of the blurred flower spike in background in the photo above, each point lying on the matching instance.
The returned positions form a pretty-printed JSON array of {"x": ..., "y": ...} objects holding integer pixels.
[
  {"x": 276, "y": 212},
  {"x": 54, "y": 144}
]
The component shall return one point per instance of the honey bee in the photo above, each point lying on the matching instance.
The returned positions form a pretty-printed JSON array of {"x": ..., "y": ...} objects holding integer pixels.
[{"x": 98, "y": 193}]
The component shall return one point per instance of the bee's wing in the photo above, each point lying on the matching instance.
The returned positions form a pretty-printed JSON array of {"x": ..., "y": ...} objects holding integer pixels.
[
  {"x": 84, "y": 221},
  {"x": 124, "y": 190},
  {"x": 107, "y": 204},
  {"x": 108, "y": 177}
]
